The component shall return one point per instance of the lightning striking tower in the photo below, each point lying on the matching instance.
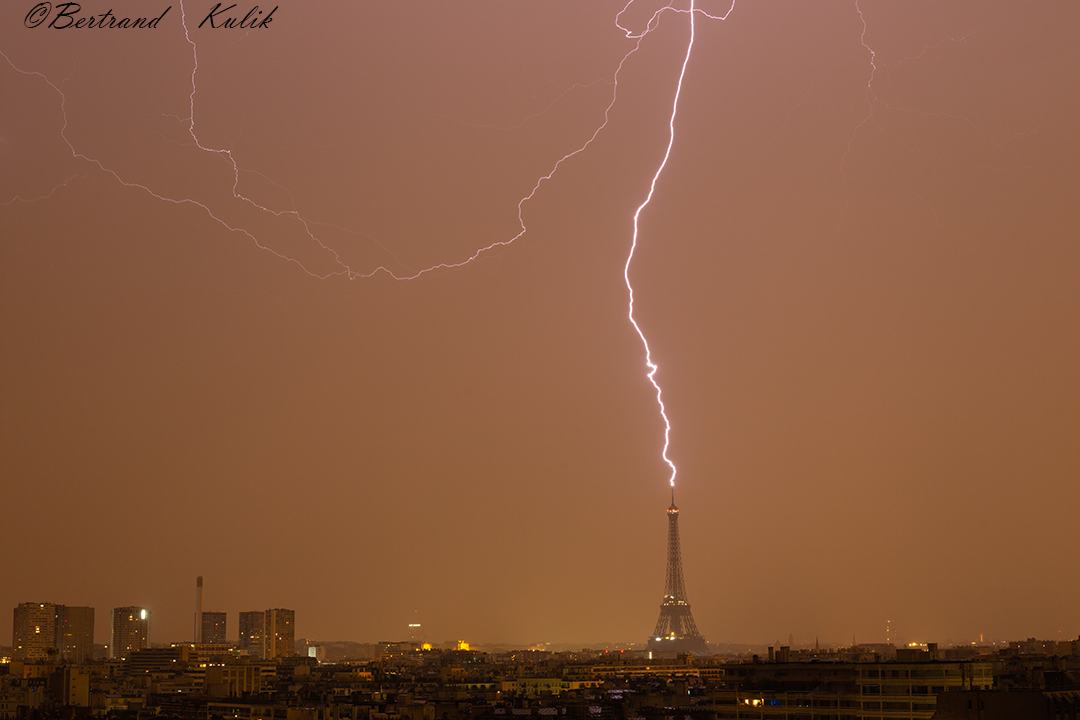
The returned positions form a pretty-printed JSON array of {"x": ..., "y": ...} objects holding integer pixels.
[{"x": 676, "y": 630}]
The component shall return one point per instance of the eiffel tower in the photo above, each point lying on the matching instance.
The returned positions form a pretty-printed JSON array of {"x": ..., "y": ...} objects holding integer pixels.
[{"x": 676, "y": 630}]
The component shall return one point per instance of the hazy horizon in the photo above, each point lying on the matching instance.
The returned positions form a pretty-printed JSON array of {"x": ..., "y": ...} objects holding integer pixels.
[{"x": 857, "y": 276}]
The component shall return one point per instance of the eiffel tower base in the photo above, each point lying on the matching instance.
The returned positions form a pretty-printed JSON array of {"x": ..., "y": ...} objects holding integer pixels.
[
  {"x": 679, "y": 646},
  {"x": 676, "y": 631}
]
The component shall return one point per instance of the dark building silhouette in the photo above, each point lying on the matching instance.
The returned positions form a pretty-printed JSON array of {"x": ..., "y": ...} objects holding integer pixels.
[
  {"x": 1008, "y": 705},
  {"x": 253, "y": 632},
  {"x": 676, "y": 631},
  {"x": 75, "y": 633},
  {"x": 213, "y": 627}
]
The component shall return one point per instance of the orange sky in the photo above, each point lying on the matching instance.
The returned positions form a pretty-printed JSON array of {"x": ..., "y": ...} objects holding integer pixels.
[{"x": 863, "y": 301}]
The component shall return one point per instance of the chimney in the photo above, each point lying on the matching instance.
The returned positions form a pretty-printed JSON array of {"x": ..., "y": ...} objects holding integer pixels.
[{"x": 198, "y": 609}]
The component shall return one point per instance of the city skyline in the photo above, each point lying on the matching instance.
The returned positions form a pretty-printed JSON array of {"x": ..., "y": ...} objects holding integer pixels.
[
  {"x": 856, "y": 273},
  {"x": 74, "y": 635}
]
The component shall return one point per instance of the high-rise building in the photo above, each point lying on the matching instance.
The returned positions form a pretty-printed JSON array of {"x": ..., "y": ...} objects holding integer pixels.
[
  {"x": 46, "y": 631},
  {"x": 268, "y": 633},
  {"x": 75, "y": 633},
  {"x": 676, "y": 630},
  {"x": 130, "y": 631},
  {"x": 253, "y": 632},
  {"x": 280, "y": 633},
  {"x": 213, "y": 627},
  {"x": 34, "y": 631}
]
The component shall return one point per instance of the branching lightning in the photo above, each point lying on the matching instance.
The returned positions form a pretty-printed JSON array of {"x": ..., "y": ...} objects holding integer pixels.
[
  {"x": 873, "y": 101},
  {"x": 342, "y": 269}
]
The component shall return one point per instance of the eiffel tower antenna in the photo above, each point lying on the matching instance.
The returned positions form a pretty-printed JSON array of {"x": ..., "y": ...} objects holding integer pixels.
[{"x": 676, "y": 630}]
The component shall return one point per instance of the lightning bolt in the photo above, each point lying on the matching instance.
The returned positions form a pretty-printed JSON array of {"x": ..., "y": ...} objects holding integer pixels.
[
  {"x": 343, "y": 269},
  {"x": 869, "y": 94},
  {"x": 652, "y": 366}
]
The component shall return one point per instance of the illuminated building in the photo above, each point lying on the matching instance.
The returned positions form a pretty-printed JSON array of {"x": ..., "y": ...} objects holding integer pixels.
[
  {"x": 213, "y": 627},
  {"x": 847, "y": 690},
  {"x": 268, "y": 633},
  {"x": 204, "y": 653},
  {"x": 75, "y": 633},
  {"x": 676, "y": 631},
  {"x": 237, "y": 678},
  {"x": 252, "y": 632},
  {"x": 280, "y": 633},
  {"x": 34, "y": 631},
  {"x": 44, "y": 631},
  {"x": 159, "y": 659},
  {"x": 130, "y": 631}
]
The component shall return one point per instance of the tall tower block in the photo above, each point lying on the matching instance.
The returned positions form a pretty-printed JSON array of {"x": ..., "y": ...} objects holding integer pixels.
[
  {"x": 676, "y": 630},
  {"x": 130, "y": 631}
]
